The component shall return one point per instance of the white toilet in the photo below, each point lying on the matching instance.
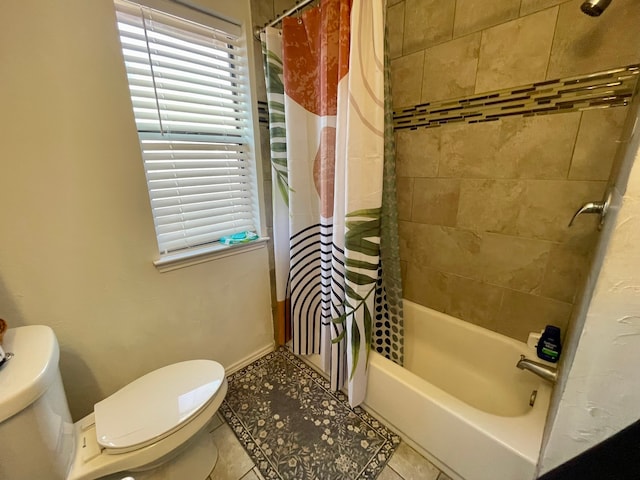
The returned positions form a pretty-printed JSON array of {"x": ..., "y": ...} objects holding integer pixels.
[{"x": 153, "y": 428}]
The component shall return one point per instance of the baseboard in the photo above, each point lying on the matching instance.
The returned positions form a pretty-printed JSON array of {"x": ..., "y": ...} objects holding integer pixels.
[{"x": 234, "y": 367}]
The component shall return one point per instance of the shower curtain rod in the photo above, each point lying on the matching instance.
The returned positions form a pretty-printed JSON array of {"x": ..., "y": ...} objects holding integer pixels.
[{"x": 278, "y": 19}]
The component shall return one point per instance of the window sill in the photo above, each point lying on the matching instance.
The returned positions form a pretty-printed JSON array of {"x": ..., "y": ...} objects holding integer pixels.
[{"x": 173, "y": 261}]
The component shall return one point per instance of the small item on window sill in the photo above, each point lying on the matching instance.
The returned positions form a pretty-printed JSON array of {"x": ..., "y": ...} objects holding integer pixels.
[{"x": 242, "y": 237}]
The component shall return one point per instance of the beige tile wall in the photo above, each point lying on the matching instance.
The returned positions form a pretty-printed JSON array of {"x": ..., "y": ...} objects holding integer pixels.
[
  {"x": 484, "y": 208},
  {"x": 450, "y": 48}
]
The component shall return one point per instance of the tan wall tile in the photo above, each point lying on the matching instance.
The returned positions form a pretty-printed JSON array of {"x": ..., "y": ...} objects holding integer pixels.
[
  {"x": 395, "y": 29},
  {"x": 538, "y": 147},
  {"x": 597, "y": 143},
  {"x": 427, "y": 287},
  {"x": 393, "y": 2},
  {"x": 435, "y": 201},
  {"x": 404, "y": 266},
  {"x": 548, "y": 205},
  {"x": 450, "y": 69},
  {"x": 513, "y": 262},
  {"x": 490, "y": 205},
  {"x": 584, "y": 44},
  {"x": 471, "y": 151},
  {"x": 531, "y": 6},
  {"x": 474, "y": 301},
  {"x": 427, "y": 23},
  {"x": 566, "y": 271},
  {"x": 418, "y": 152},
  {"x": 405, "y": 233},
  {"x": 475, "y": 15},
  {"x": 516, "y": 52},
  {"x": 522, "y": 313},
  {"x": 517, "y": 147},
  {"x": 583, "y": 243},
  {"x": 406, "y": 79},
  {"x": 446, "y": 249},
  {"x": 404, "y": 192},
  {"x": 463, "y": 298}
]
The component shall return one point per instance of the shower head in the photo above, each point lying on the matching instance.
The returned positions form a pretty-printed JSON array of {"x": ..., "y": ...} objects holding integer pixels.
[{"x": 594, "y": 8}]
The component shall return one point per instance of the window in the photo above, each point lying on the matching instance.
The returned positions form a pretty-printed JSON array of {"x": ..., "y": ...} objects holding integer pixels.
[{"x": 189, "y": 88}]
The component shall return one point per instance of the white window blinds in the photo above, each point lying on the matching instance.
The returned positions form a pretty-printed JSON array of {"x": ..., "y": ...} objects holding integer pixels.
[{"x": 189, "y": 87}]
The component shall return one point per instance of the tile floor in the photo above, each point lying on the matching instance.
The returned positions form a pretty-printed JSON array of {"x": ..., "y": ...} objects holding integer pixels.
[{"x": 235, "y": 464}]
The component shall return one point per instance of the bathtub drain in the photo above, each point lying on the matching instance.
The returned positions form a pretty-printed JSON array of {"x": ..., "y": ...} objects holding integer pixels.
[{"x": 532, "y": 398}]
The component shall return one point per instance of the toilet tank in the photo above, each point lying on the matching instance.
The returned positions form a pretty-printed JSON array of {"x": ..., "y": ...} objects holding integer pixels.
[{"x": 36, "y": 431}]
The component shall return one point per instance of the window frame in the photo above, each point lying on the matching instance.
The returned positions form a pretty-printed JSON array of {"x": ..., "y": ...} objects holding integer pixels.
[{"x": 238, "y": 15}]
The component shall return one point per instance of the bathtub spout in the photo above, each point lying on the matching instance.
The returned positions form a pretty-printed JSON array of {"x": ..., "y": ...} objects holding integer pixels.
[{"x": 548, "y": 373}]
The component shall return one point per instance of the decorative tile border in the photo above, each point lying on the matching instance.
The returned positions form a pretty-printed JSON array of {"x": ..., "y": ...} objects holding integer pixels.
[
  {"x": 611, "y": 88},
  {"x": 263, "y": 113}
]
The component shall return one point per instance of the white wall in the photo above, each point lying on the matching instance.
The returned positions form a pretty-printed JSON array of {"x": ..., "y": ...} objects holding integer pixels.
[
  {"x": 76, "y": 235},
  {"x": 599, "y": 393}
]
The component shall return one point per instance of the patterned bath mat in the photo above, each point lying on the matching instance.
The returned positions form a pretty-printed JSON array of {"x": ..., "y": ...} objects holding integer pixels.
[{"x": 295, "y": 428}]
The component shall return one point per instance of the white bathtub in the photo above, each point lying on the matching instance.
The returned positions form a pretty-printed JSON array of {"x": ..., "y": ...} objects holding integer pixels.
[{"x": 460, "y": 397}]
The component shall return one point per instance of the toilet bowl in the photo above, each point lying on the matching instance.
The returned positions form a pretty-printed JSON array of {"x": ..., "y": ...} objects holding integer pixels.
[{"x": 153, "y": 428}]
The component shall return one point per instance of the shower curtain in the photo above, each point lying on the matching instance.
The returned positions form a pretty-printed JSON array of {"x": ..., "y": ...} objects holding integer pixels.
[{"x": 326, "y": 95}]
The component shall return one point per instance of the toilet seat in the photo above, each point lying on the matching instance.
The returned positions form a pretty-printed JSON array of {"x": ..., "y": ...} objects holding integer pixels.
[
  {"x": 156, "y": 405},
  {"x": 144, "y": 457}
]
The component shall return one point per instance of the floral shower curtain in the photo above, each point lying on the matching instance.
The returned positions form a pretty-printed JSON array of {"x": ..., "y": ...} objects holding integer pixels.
[{"x": 326, "y": 92}]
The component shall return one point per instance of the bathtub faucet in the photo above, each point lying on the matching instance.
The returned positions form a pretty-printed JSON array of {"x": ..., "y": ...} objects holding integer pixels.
[{"x": 548, "y": 373}]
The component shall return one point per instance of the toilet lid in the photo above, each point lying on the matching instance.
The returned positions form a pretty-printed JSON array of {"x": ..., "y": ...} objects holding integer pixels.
[{"x": 154, "y": 405}]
